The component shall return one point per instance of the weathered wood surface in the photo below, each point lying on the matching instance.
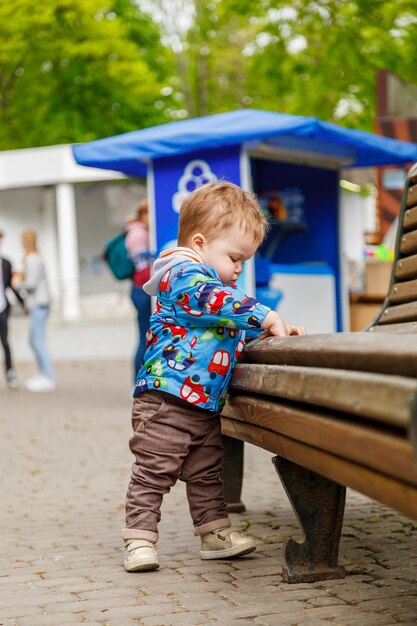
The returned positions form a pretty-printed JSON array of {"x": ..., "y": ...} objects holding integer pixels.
[
  {"x": 404, "y": 327},
  {"x": 406, "y": 268},
  {"x": 403, "y": 292},
  {"x": 373, "y": 446},
  {"x": 366, "y": 352},
  {"x": 399, "y": 495},
  {"x": 410, "y": 219},
  {"x": 408, "y": 242},
  {"x": 379, "y": 397},
  {"x": 411, "y": 200},
  {"x": 399, "y": 313}
]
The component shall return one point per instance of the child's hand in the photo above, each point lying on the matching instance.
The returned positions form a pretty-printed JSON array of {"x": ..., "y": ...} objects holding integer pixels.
[{"x": 273, "y": 324}]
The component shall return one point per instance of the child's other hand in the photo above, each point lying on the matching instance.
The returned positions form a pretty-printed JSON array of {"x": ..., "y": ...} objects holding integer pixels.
[{"x": 296, "y": 330}]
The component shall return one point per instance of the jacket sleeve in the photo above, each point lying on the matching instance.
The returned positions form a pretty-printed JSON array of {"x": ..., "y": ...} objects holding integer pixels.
[{"x": 200, "y": 300}]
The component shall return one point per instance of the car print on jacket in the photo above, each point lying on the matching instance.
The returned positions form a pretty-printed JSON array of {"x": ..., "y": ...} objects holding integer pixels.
[
  {"x": 220, "y": 332},
  {"x": 175, "y": 331},
  {"x": 220, "y": 363},
  {"x": 193, "y": 392},
  {"x": 175, "y": 360},
  {"x": 151, "y": 339},
  {"x": 142, "y": 385},
  {"x": 182, "y": 301},
  {"x": 155, "y": 367},
  {"x": 211, "y": 299},
  {"x": 245, "y": 306}
]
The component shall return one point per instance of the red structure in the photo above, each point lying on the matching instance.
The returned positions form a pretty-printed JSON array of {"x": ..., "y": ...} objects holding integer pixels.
[{"x": 396, "y": 118}]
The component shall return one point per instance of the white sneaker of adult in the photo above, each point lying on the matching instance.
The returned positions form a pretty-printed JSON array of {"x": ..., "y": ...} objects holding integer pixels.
[{"x": 40, "y": 384}]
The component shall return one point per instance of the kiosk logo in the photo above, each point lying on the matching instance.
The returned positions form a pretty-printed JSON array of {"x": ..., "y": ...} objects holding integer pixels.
[{"x": 196, "y": 174}]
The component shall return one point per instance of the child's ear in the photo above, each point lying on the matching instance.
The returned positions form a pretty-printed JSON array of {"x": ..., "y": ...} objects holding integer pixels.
[{"x": 198, "y": 242}]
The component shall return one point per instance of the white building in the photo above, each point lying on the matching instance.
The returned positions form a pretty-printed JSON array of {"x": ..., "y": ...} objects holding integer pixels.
[{"x": 75, "y": 210}]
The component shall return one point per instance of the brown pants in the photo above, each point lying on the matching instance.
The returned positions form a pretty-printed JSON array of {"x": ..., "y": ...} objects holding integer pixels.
[{"x": 173, "y": 440}]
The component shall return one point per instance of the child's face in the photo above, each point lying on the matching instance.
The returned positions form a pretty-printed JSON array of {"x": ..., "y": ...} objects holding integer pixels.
[{"x": 227, "y": 253}]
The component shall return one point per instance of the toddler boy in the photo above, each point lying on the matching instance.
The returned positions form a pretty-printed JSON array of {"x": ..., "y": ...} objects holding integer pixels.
[{"x": 196, "y": 334}]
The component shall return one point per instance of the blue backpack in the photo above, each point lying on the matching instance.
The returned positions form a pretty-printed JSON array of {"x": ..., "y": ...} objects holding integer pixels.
[{"x": 117, "y": 257}]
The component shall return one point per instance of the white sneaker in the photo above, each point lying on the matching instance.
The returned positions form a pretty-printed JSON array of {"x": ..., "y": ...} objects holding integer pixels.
[
  {"x": 40, "y": 384},
  {"x": 226, "y": 543},
  {"x": 11, "y": 379},
  {"x": 140, "y": 555}
]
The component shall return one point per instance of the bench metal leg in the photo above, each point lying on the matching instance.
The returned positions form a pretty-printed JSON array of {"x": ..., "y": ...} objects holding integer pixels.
[
  {"x": 233, "y": 474},
  {"x": 319, "y": 504}
]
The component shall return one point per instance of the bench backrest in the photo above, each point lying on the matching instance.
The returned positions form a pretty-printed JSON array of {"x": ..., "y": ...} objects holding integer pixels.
[{"x": 399, "y": 311}]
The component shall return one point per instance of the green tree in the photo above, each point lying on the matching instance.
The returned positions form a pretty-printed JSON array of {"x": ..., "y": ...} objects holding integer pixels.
[
  {"x": 306, "y": 57},
  {"x": 322, "y": 56},
  {"x": 76, "y": 70}
]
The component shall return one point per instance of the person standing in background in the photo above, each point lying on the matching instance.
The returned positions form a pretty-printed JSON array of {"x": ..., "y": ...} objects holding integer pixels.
[
  {"x": 33, "y": 287},
  {"x": 137, "y": 245},
  {"x": 6, "y": 273}
]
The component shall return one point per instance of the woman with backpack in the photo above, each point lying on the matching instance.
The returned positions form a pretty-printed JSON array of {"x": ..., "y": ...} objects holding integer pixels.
[{"x": 137, "y": 245}]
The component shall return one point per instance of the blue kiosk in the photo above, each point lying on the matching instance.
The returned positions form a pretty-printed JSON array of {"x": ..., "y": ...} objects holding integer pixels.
[{"x": 292, "y": 163}]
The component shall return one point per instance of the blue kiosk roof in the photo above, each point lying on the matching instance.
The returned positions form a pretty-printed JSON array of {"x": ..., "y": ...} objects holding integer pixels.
[{"x": 130, "y": 152}]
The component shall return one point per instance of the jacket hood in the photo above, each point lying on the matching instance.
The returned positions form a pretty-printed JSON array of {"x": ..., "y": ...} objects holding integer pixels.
[{"x": 166, "y": 260}]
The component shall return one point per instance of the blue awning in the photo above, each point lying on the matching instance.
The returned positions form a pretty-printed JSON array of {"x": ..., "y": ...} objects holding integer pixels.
[{"x": 129, "y": 153}]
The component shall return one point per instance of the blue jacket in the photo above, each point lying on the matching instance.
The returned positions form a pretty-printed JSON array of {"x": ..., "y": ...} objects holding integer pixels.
[{"x": 196, "y": 332}]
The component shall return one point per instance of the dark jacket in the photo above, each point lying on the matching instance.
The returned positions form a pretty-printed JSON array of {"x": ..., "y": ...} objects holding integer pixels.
[{"x": 6, "y": 268}]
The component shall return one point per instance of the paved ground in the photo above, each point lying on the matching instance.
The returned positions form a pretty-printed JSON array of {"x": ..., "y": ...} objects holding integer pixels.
[{"x": 64, "y": 466}]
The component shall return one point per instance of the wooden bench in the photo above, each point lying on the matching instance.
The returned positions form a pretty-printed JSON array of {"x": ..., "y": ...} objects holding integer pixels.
[{"x": 339, "y": 411}]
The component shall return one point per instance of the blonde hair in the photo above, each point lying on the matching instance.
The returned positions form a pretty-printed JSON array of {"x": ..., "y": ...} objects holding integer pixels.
[
  {"x": 142, "y": 209},
  {"x": 215, "y": 207},
  {"x": 29, "y": 237}
]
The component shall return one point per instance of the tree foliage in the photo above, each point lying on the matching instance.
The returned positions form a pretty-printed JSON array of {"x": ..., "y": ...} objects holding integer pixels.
[
  {"x": 304, "y": 57},
  {"x": 75, "y": 70}
]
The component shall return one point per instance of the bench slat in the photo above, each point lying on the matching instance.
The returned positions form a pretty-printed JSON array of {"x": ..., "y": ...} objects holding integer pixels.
[
  {"x": 396, "y": 355},
  {"x": 410, "y": 219},
  {"x": 406, "y": 268},
  {"x": 404, "y": 327},
  {"x": 383, "y": 398},
  {"x": 408, "y": 243},
  {"x": 412, "y": 175},
  {"x": 403, "y": 292},
  {"x": 331, "y": 433},
  {"x": 411, "y": 196},
  {"x": 389, "y": 491},
  {"x": 399, "y": 313}
]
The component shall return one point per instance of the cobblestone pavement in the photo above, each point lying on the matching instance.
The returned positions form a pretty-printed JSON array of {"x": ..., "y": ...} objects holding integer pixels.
[{"x": 64, "y": 463}]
